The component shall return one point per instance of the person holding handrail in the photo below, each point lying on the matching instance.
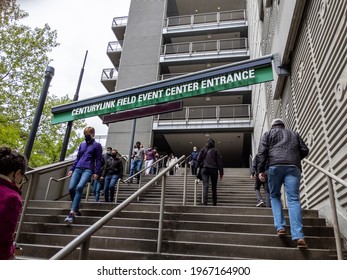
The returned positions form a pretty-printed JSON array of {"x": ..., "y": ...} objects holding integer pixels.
[
  {"x": 12, "y": 176},
  {"x": 281, "y": 151},
  {"x": 87, "y": 165}
]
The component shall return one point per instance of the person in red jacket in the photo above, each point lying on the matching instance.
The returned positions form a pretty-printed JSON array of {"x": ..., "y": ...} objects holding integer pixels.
[{"x": 12, "y": 177}]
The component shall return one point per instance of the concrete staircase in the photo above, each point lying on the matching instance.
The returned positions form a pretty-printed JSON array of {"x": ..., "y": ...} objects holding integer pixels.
[{"x": 235, "y": 229}]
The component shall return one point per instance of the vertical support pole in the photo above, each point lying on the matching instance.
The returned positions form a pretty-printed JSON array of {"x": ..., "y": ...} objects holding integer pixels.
[
  {"x": 88, "y": 190},
  {"x": 335, "y": 219},
  {"x": 24, "y": 208},
  {"x": 117, "y": 191},
  {"x": 195, "y": 191},
  {"x": 69, "y": 124},
  {"x": 185, "y": 182},
  {"x": 161, "y": 214},
  {"x": 132, "y": 137},
  {"x": 85, "y": 249},
  {"x": 49, "y": 73}
]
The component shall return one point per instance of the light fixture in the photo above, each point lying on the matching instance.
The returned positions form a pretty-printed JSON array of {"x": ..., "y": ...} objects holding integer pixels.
[
  {"x": 207, "y": 135},
  {"x": 208, "y": 65},
  {"x": 208, "y": 98}
]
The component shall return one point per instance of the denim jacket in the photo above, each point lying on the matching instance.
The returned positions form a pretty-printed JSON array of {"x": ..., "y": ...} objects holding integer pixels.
[{"x": 89, "y": 157}]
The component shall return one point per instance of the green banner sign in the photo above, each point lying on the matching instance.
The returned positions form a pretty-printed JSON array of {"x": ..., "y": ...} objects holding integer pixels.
[{"x": 193, "y": 88}]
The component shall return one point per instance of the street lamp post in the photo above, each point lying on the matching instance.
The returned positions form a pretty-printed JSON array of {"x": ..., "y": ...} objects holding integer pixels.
[
  {"x": 49, "y": 73},
  {"x": 69, "y": 124}
]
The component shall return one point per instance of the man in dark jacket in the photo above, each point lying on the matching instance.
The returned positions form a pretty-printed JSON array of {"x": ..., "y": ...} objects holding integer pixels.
[
  {"x": 112, "y": 172},
  {"x": 194, "y": 161},
  {"x": 282, "y": 151},
  {"x": 211, "y": 161}
]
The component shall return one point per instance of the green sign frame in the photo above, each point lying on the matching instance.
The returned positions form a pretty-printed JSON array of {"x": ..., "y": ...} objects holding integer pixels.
[{"x": 163, "y": 92}]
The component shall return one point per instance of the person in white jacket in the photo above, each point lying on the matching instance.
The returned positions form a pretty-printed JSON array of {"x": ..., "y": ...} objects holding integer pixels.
[{"x": 170, "y": 161}]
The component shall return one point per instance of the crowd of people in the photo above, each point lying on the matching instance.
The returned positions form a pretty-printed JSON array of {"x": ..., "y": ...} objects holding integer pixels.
[{"x": 276, "y": 164}]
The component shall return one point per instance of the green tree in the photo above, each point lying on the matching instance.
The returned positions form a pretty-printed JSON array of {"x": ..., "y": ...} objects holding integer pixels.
[{"x": 23, "y": 60}]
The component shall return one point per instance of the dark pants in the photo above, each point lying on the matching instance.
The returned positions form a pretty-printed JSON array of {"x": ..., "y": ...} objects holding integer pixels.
[
  {"x": 194, "y": 166},
  {"x": 257, "y": 186},
  {"x": 206, "y": 174}
]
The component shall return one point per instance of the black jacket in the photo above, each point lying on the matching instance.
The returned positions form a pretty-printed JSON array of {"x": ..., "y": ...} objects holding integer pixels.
[
  {"x": 254, "y": 167},
  {"x": 211, "y": 158},
  {"x": 281, "y": 146},
  {"x": 113, "y": 167}
]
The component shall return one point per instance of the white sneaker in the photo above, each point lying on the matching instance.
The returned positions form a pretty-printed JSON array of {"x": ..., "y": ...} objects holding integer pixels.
[
  {"x": 69, "y": 218},
  {"x": 260, "y": 204}
]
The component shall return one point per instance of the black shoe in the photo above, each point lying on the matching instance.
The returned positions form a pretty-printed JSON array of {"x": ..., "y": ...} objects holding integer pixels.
[
  {"x": 301, "y": 244},
  {"x": 78, "y": 213}
]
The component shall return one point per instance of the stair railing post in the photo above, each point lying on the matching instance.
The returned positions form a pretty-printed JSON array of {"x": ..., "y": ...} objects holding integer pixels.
[
  {"x": 24, "y": 208},
  {"x": 139, "y": 185},
  {"x": 195, "y": 191},
  {"x": 335, "y": 219},
  {"x": 185, "y": 183},
  {"x": 161, "y": 214},
  {"x": 117, "y": 191},
  {"x": 84, "y": 249},
  {"x": 88, "y": 191}
]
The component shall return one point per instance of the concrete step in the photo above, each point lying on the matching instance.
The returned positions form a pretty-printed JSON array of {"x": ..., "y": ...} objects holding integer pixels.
[{"x": 235, "y": 229}]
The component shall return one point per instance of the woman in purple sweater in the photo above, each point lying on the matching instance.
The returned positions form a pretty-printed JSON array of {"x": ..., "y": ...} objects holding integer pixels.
[
  {"x": 12, "y": 170},
  {"x": 87, "y": 165}
]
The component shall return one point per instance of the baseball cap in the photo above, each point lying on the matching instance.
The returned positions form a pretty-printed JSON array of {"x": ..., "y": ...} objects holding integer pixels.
[{"x": 276, "y": 122}]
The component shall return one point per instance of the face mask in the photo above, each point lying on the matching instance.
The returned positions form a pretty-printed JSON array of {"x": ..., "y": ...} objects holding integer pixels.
[
  {"x": 108, "y": 152},
  {"x": 88, "y": 138},
  {"x": 114, "y": 155}
]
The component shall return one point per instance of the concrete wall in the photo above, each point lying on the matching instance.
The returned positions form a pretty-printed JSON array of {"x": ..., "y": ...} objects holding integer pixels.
[
  {"x": 312, "y": 99},
  {"x": 138, "y": 65}
]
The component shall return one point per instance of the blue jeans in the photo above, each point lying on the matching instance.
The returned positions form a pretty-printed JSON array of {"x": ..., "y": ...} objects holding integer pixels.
[
  {"x": 206, "y": 173},
  {"x": 79, "y": 179},
  {"x": 96, "y": 189},
  {"x": 109, "y": 186},
  {"x": 289, "y": 175},
  {"x": 136, "y": 166}
]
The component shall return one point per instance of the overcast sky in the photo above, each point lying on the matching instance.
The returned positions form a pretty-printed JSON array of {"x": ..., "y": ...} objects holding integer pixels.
[{"x": 81, "y": 25}]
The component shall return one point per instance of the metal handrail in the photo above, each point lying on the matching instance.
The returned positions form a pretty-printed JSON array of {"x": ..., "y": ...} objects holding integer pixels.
[
  {"x": 143, "y": 169},
  {"x": 335, "y": 221},
  {"x": 115, "y": 46},
  {"x": 119, "y": 21},
  {"x": 199, "y": 47},
  {"x": 205, "y": 112},
  {"x": 55, "y": 180},
  {"x": 83, "y": 239},
  {"x": 109, "y": 74},
  {"x": 30, "y": 174},
  {"x": 208, "y": 18}
]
